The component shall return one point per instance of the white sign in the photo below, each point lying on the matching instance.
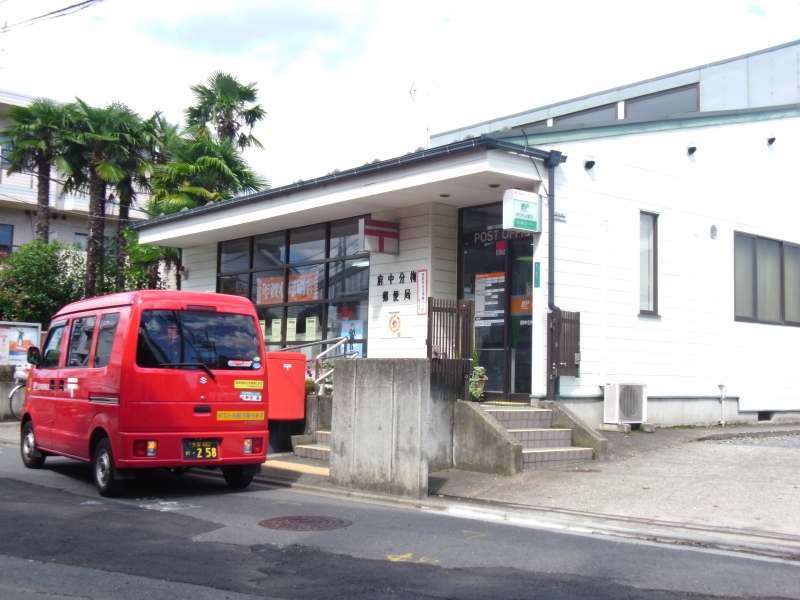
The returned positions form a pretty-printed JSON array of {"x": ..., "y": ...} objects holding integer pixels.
[
  {"x": 522, "y": 211},
  {"x": 422, "y": 292}
]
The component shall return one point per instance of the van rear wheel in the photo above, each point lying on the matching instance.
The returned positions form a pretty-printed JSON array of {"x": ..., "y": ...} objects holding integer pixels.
[
  {"x": 103, "y": 470},
  {"x": 31, "y": 456},
  {"x": 235, "y": 477}
]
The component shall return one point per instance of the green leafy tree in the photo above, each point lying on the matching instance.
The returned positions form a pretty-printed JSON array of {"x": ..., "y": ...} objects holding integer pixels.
[
  {"x": 35, "y": 133},
  {"x": 38, "y": 279},
  {"x": 146, "y": 260},
  {"x": 227, "y": 106}
]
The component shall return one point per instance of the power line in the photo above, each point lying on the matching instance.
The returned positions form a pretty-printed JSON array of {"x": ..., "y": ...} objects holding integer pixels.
[{"x": 61, "y": 12}]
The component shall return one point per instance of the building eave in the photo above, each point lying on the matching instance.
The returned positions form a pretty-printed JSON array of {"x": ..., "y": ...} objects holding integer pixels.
[{"x": 462, "y": 174}]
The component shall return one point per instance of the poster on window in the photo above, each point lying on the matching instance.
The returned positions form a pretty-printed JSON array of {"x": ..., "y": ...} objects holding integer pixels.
[
  {"x": 302, "y": 288},
  {"x": 353, "y": 330}
]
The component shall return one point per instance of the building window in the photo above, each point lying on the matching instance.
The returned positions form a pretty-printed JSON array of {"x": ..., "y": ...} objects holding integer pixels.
[
  {"x": 670, "y": 102},
  {"x": 81, "y": 241},
  {"x": 6, "y": 239},
  {"x": 593, "y": 115},
  {"x": 308, "y": 284},
  {"x": 648, "y": 264},
  {"x": 766, "y": 280},
  {"x": 5, "y": 149}
]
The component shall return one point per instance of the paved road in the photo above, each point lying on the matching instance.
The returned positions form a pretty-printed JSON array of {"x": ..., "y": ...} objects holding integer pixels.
[{"x": 192, "y": 537}]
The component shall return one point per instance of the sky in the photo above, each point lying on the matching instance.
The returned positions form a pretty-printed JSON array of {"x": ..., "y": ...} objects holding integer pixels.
[{"x": 347, "y": 81}]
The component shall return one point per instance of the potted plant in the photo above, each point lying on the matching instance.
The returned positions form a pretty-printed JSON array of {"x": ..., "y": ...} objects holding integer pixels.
[{"x": 477, "y": 381}]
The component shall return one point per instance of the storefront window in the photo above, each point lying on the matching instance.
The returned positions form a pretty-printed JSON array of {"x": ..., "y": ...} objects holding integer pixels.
[
  {"x": 345, "y": 240},
  {"x": 234, "y": 255},
  {"x": 301, "y": 294},
  {"x": 307, "y": 244},
  {"x": 349, "y": 320},
  {"x": 269, "y": 250},
  {"x": 348, "y": 278},
  {"x": 236, "y": 285}
]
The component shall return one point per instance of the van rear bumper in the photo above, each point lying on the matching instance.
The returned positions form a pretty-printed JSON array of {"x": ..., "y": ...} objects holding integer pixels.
[{"x": 170, "y": 450}]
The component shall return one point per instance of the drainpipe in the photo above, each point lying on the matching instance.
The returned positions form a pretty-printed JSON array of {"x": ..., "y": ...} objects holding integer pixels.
[
  {"x": 722, "y": 403},
  {"x": 551, "y": 162}
]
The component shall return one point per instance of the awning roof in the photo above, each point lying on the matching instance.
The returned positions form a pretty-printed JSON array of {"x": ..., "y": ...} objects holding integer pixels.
[{"x": 461, "y": 174}]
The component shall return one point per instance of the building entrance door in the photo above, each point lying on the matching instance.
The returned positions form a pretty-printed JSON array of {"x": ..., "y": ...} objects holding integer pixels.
[{"x": 498, "y": 275}]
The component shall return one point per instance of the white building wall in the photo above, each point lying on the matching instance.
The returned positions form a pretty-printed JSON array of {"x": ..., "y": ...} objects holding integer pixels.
[
  {"x": 428, "y": 242},
  {"x": 736, "y": 182},
  {"x": 200, "y": 263}
]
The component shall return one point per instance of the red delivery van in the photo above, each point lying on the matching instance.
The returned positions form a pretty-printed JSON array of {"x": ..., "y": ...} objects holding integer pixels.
[{"x": 150, "y": 379}]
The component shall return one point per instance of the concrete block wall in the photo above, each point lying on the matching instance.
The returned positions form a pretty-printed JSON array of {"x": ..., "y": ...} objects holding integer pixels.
[{"x": 381, "y": 419}]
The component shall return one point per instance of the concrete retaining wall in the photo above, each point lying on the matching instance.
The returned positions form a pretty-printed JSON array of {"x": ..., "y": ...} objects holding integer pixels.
[
  {"x": 381, "y": 419},
  {"x": 5, "y": 408},
  {"x": 582, "y": 435},
  {"x": 481, "y": 444}
]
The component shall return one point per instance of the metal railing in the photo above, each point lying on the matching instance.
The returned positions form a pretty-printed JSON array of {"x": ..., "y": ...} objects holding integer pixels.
[{"x": 322, "y": 357}]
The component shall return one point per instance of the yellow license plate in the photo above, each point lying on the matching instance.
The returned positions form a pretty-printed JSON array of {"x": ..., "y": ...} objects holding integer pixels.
[{"x": 200, "y": 449}]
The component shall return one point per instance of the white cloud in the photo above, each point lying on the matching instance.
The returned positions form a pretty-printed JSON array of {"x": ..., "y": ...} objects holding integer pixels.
[{"x": 335, "y": 76}]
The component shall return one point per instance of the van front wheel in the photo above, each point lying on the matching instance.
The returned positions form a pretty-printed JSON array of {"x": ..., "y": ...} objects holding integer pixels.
[
  {"x": 235, "y": 478},
  {"x": 31, "y": 456},
  {"x": 103, "y": 470}
]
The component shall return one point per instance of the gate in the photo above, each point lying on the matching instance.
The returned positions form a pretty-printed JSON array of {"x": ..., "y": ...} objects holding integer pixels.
[
  {"x": 450, "y": 344},
  {"x": 564, "y": 343}
]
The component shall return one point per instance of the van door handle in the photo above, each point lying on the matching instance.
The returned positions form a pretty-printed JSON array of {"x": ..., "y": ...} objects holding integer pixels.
[
  {"x": 202, "y": 410},
  {"x": 60, "y": 385}
]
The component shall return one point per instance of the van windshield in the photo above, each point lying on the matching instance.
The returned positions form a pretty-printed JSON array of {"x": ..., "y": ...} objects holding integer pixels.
[{"x": 200, "y": 339}]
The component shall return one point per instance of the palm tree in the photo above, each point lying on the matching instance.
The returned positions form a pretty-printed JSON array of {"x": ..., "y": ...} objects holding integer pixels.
[
  {"x": 226, "y": 105},
  {"x": 106, "y": 147},
  {"x": 35, "y": 133},
  {"x": 200, "y": 171}
]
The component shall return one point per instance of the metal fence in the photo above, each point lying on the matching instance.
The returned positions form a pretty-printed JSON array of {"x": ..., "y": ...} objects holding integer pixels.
[{"x": 450, "y": 343}]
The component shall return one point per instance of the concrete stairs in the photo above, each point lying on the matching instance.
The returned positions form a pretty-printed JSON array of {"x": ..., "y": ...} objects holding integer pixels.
[
  {"x": 542, "y": 445},
  {"x": 319, "y": 450}
]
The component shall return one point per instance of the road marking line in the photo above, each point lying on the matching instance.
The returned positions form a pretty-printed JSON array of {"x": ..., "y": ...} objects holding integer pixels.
[{"x": 289, "y": 466}]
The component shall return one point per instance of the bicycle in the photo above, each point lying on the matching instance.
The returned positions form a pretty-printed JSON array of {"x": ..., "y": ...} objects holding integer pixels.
[{"x": 16, "y": 399}]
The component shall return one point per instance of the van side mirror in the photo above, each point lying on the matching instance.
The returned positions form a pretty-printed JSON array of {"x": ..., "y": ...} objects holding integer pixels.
[{"x": 34, "y": 356}]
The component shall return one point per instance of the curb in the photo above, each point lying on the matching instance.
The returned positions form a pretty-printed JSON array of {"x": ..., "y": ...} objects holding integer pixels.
[{"x": 762, "y": 543}]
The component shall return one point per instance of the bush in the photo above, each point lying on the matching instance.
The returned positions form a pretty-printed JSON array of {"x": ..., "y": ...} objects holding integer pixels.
[{"x": 38, "y": 279}]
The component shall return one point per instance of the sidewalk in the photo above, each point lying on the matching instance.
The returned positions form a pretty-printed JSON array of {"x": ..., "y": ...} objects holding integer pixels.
[{"x": 734, "y": 488}]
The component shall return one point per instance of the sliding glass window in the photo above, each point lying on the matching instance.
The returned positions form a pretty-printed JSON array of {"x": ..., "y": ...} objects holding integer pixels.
[
  {"x": 308, "y": 284},
  {"x": 766, "y": 280}
]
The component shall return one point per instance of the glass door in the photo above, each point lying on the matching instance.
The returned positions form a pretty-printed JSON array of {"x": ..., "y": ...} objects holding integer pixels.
[
  {"x": 498, "y": 277},
  {"x": 520, "y": 338}
]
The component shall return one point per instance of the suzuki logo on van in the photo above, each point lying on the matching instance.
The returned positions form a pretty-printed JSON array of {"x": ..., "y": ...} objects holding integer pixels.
[
  {"x": 287, "y": 366},
  {"x": 203, "y": 380}
]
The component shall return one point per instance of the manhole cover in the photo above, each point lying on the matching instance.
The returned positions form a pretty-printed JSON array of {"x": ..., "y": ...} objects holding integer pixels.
[{"x": 305, "y": 523}]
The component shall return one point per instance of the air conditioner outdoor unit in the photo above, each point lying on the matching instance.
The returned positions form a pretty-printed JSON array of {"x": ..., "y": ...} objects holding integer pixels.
[{"x": 625, "y": 403}]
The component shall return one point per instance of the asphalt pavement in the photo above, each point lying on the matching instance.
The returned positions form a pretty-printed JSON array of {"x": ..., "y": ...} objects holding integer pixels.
[{"x": 731, "y": 488}]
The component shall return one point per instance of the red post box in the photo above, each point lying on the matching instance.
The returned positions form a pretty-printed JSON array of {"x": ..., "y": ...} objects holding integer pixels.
[{"x": 286, "y": 385}]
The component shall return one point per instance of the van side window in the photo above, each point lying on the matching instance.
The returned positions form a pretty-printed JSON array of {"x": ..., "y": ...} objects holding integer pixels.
[
  {"x": 105, "y": 339},
  {"x": 80, "y": 342},
  {"x": 52, "y": 347}
]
